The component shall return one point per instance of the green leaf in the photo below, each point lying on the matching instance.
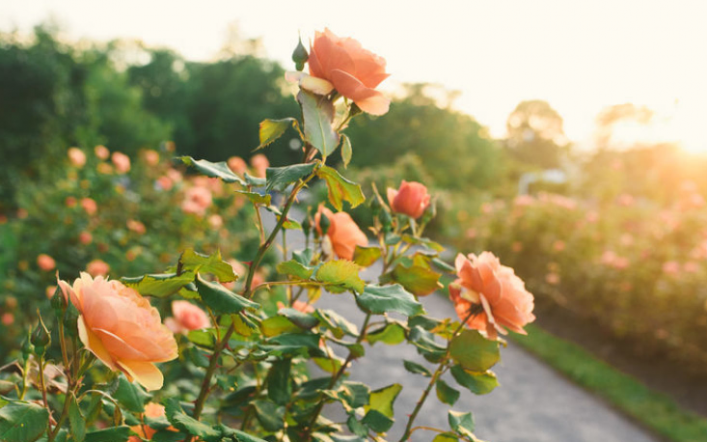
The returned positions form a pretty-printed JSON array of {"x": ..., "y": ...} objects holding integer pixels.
[
  {"x": 445, "y": 437},
  {"x": 445, "y": 393},
  {"x": 294, "y": 344},
  {"x": 477, "y": 383},
  {"x": 159, "y": 285},
  {"x": 254, "y": 181},
  {"x": 340, "y": 188},
  {"x": 377, "y": 421},
  {"x": 426, "y": 344},
  {"x": 115, "y": 434},
  {"x": 340, "y": 275},
  {"x": 279, "y": 386},
  {"x": 346, "y": 150},
  {"x": 277, "y": 325},
  {"x": 329, "y": 364},
  {"x": 337, "y": 324},
  {"x": 356, "y": 427},
  {"x": 168, "y": 436},
  {"x": 241, "y": 436},
  {"x": 270, "y": 416},
  {"x": 213, "y": 170},
  {"x": 131, "y": 396},
  {"x": 417, "y": 279},
  {"x": 303, "y": 257},
  {"x": 22, "y": 422},
  {"x": 203, "y": 338},
  {"x": 382, "y": 400},
  {"x": 423, "y": 321},
  {"x": 415, "y": 368},
  {"x": 389, "y": 298},
  {"x": 393, "y": 333},
  {"x": 221, "y": 300},
  {"x": 318, "y": 115},
  {"x": 188, "y": 424},
  {"x": 443, "y": 265},
  {"x": 278, "y": 178},
  {"x": 76, "y": 420},
  {"x": 423, "y": 242},
  {"x": 271, "y": 130},
  {"x": 256, "y": 198},
  {"x": 295, "y": 269},
  {"x": 474, "y": 352},
  {"x": 300, "y": 319},
  {"x": 356, "y": 394},
  {"x": 462, "y": 423},
  {"x": 193, "y": 262},
  {"x": 366, "y": 256}
]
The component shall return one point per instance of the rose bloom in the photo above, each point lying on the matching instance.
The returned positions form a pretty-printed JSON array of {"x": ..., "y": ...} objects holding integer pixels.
[
  {"x": 89, "y": 206},
  {"x": 151, "y": 157},
  {"x": 186, "y": 317},
  {"x": 70, "y": 201},
  {"x": 558, "y": 245},
  {"x": 76, "y": 156},
  {"x": 343, "y": 232},
  {"x": 46, "y": 262},
  {"x": 7, "y": 318},
  {"x": 300, "y": 306},
  {"x": 121, "y": 162},
  {"x": 552, "y": 278},
  {"x": 102, "y": 152},
  {"x": 85, "y": 238},
  {"x": 215, "y": 221},
  {"x": 411, "y": 199},
  {"x": 259, "y": 163},
  {"x": 136, "y": 226},
  {"x": 97, "y": 268},
  {"x": 22, "y": 213},
  {"x": 353, "y": 71},
  {"x": 152, "y": 410},
  {"x": 198, "y": 199},
  {"x": 49, "y": 291},
  {"x": 121, "y": 328},
  {"x": 164, "y": 182},
  {"x": 494, "y": 291},
  {"x": 671, "y": 267},
  {"x": 237, "y": 165}
]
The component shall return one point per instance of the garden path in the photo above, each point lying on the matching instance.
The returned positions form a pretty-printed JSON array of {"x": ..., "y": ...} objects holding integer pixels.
[{"x": 532, "y": 404}]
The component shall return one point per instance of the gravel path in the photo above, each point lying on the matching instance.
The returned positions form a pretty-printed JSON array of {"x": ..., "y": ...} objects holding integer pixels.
[{"x": 532, "y": 404}]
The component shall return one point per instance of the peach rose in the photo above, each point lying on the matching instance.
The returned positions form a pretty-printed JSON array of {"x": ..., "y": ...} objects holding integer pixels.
[
  {"x": 97, "y": 268},
  {"x": 121, "y": 328},
  {"x": 89, "y": 206},
  {"x": 85, "y": 238},
  {"x": 494, "y": 291},
  {"x": 151, "y": 410},
  {"x": 121, "y": 162},
  {"x": 49, "y": 291},
  {"x": 7, "y": 318},
  {"x": 76, "y": 156},
  {"x": 300, "y": 306},
  {"x": 198, "y": 199},
  {"x": 151, "y": 157},
  {"x": 411, "y": 199},
  {"x": 343, "y": 232},
  {"x": 136, "y": 226},
  {"x": 102, "y": 152},
  {"x": 187, "y": 316},
  {"x": 353, "y": 71},
  {"x": 46, "y": 262},
  {"x": 237, "y": 165},
  {"x": 259, "y": 163}
]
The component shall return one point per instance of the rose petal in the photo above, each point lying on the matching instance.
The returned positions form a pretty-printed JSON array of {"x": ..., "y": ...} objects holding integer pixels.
[{"x": 145, "y": 373}]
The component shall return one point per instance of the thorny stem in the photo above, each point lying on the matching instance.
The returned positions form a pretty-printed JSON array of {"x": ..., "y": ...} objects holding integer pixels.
[{"x": 258, "y": 218}]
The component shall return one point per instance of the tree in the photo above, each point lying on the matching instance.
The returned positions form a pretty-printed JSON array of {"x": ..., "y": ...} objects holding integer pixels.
[{"x": 536, "y": 135}]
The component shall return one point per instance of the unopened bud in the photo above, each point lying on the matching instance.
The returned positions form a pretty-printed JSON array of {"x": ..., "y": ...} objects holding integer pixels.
[
  {"x": 307, "y": 226},
  {"x": 27, "y": 348},
  {"x": 71, "y": 316},
  {"x": 58, "y": 302},
  {"x": 376, "y": 206},
  {"x": 40, "y": 338},
  {"x": 324, "y": 223},
  {"x": 386, "y": 220},
  {"x": 300, "y": 56},
  {"x": 430, "y": 212}
]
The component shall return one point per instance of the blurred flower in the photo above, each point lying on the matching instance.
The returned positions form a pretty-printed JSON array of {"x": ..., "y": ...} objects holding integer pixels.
[
  {"x": 121, "y": 162},
  {"x": 164, "y": 182},
  {"x": 471, "y": 233},
  {"x": 215, "y": 221},
  {"x": 237, "y": 165},
  {"x": 625, "y": 200},
  {"x": 186, "y": 317},
  {"x": 104, "y": 168},
  {"x": 152, "y": 410},
  {"x": 197, "y": 200},
  {"x": 517, "y": 246},
  {"x": 671, "y": 268},
  {"x": 259, "y": 163},
  {"x": 76, "y": 156},
  {"x": 410, "y": 199},
  {"x": 97, "y": 267},
  {"x": 121, "y": 328},
  {"x": 494, "y": 291},
  {"x": 70, "y": 202},
  {"x": 46, "y": 262},
  {"x": 353, "y": 71},
  {"x": 49, "y": 291},
  {"x": 552, "y": 278},
  {"x": 300, "y": 306},
  {"x": 626, "y": 239},
  {"x": 102, "y": 152},
  {"x": 343, "y": 232},
  {"x": 7, "y": 318},
  {"x": 691, "y": 267},
  {"x": 89, "y": 206},
  {"x": 592, "y": 217},
  {"x": 151, "y": 157},
  {"x": 85, "y": 238},
  {"x": 523, "y": 200},
  {"x": 174, "y": 175},
  {"x": 136, "y": 226},
  {"x": 11, "y": 302},
  {"x": 558, "y": 246},
  {"x": 486, "y": 208},
  {"x": 22, "y": 213}
]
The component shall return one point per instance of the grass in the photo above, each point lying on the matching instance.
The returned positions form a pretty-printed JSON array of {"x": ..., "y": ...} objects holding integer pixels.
[{"x": 654, "y": 410}]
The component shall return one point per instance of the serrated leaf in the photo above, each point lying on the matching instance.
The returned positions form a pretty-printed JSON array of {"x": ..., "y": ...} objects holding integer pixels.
[
  {"x": 445, "y": 393},
  {"x": 114, "y": 434},
  {"x": 392, "y": 333},
  {"x": 194, "y": 262},
  {"x": 256, "y": 198},
  {"x": 346, "y": 150},
  {"x": 318, "y": 115},
  {"x": 462, "y": 423},
  {"x": 300, "y": 319},
  {"x": 366, "y": 256},
  {"x": 474, "y": 352},
  {"x": 76, "y": 420},
  {"x": 277, "y": 325},
  {"x": 415, "y": 368},
  {"x": 295, "y": 269},
  {"x": 278, "y": 178},
  {"x": 270, "y": 416},
  {"x": 131, "y": 396},
  {"x": 203, "y": 338},
  {"x": 336, "y": 323},
  {"x": 377, "y": 421},
  {"x": 271, "y": 130},
  {"x": 477, "y": 383},
  {"x": 221, "y": 300},
  {"x": 389, "y": 298},
  {"x": 213, "y": 170},
  {"x": 279, "y": 386},
  {"x": 22, "y": 422},
  {"x": 340, "y": 275},
  {"x": 188, "y": 424},
  {"x": 418, "y": 280},
  {"x": 159, "y": 285},
  {"x": 382, "y": 400},
  {"x": 340, "y": 188}
]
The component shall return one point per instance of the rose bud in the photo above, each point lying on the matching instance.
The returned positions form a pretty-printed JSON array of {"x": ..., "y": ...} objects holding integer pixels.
[{"x": 411, "y": 199}]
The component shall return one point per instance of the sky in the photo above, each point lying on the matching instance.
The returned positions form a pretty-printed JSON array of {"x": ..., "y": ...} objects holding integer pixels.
[{"x": 580, "y": 56}]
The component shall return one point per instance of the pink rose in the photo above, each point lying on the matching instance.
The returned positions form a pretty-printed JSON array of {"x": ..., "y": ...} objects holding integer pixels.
[
  {"x": 7, "y": 319},
  {"x": 494, "y": 291},
  {"x": 97, "y": 267},
  {"x": 151, "y": 157},
  {"x": 89, "y": 206},
  {"x": 102, "y": 152},
  {"x": 46, "y": 262},
  {"x": 187, "y": 316},
  {"x": 121, "y": 328},
  {"x": 121, "y": 162},
  {"x": 76, "y": 156},
  {"x": 197, "y": 200},
  {"x": 136, "y": 226},
  {"x": 85, "y": 238},
  {"x": 259, "y": 163},
  {"x": 343, "y": 233},
  {"x": 237, "y": 165},
  {"x": 353, "y": 71},
  {"x": 411, "y": 199}
]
